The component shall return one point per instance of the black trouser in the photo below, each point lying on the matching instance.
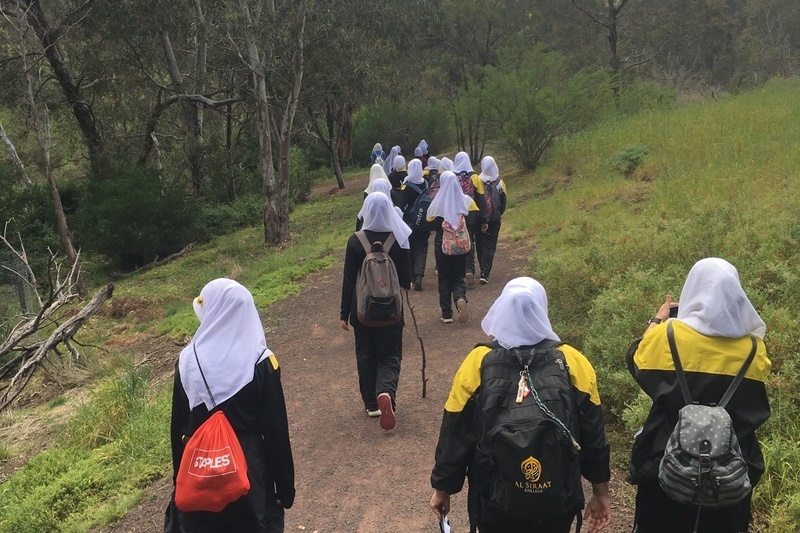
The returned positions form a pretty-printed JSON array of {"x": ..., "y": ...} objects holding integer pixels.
[
  {"x": 556, "y": 525},
  {"x": 473, "y": 227},
  {"x": 451, "y": 271},
  {"x": 486, "y": 245},
  {"x": 418, "y": 240},
  {"x": 378, "y": 355},
  {"x": 658, "y": 513}
]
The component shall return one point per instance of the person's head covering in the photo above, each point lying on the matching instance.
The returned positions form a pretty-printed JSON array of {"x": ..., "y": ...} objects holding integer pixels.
[
  {"x": 422, "y": 147},
  {"x": 489, "y": 170},
  {"x": 229, "y": 343},
  {"x": 379, "y": 214},
  {"x": 433, "y": 163},
  {"x": 399, "y": 163},
  {"x": 519, "y": 315},
  {"x": 445, "y": 163},
  {"x": 375, "y": 173},
  {"x": 377, "y": 148},
  {"x": 380, "y": 185},
  {"x": 414, "y": 173},
  {"x": 418, "y": 152},
  {"x": 462, "y": 163},
  {"x": 387, "y": 163},
  {"x": 713, "y": 302},
  {"x": 450, "y": 202}
]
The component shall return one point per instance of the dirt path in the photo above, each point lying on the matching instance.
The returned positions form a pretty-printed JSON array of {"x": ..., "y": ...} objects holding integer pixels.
[{"x": 351, "y": 475}]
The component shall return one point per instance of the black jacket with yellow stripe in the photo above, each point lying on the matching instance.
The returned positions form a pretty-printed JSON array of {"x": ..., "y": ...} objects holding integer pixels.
[
  {"x": 710, "y": 363},
  {"x": 460, "y": 429}
]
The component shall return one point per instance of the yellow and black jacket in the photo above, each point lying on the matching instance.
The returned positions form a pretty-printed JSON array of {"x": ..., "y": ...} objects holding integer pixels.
[
  {"x": 710, "y": 364},
  {"x": 460, "y": 431}
]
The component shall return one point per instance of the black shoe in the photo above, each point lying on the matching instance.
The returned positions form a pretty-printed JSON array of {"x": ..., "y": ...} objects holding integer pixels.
[{"x": 418, "y": 284}]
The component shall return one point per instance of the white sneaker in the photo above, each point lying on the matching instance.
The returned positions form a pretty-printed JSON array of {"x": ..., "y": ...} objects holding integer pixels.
[
  {"x": 462, "y": 308},
  {"x": 374, "y": 414},
  {"x": 447, "y": 320}
]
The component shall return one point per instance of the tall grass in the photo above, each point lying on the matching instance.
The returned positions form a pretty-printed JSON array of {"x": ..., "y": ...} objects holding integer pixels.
[{"x": 720, "y": 178}]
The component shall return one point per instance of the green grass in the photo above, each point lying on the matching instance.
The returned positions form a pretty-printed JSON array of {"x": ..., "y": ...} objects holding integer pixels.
[{"x": 720, "y": 178}]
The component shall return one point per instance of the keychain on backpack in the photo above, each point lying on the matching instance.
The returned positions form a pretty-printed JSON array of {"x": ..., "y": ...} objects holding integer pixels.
[{"x": 522, "y": 388}]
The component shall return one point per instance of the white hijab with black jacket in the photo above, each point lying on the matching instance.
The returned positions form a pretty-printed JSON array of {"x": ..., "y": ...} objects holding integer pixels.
[
  {"x": 380, "y": 215},
  {"x": 450, "y": 202},
  {"x": 229, "y": 343},
  {"x": 519, "y": 316}
]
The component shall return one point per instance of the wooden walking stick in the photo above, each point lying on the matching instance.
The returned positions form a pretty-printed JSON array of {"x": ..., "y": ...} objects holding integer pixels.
[{"x": 421, "y": 344}]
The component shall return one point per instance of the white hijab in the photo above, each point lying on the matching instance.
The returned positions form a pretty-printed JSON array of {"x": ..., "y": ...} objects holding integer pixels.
[
  {"x": 519, "y": 315},
  {"x": 445, "y": 163},
  {"x": 433, "y": 164},
  {"x": 379, "y": 214},
  {"x": 399, "y": 163},
  {"x": 713, "y": 302},
  {"x": 380, "y": 185},
  {"x": 414, "y": 172},
  {"x": 418, "y": 152},
  {"x": 450, "y": 202},
  {"x": 462, "y": 163},
  {"x": 377, "y": 148},
  {"x": 423, "y": 147},
  {"x": 229, "y": 343},
  {"x": 375, "y": 173},
  {"x": 489, "y": 170},
  {"x": 387, "y": 163}
]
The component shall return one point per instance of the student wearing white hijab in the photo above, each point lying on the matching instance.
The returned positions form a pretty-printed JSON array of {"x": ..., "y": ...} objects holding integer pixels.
[
  {"x": 518, "y": 319},
  {"x": 712, "y": 330},
  {"x": 379, "y": 350},
  {"x": 413, "y": 186},
  {"x": 450, "y": 205},
  {"x": 389, "y": 161},
  {"x": 421, "y": 152},
  {"x": 495, "y": 201},
  {"x": 382, "y": 185},
  {"x": 446, "y": 163},
  {"x": 228, "y": 367},
  {"x": 378, "y": 155},
  {"x": 431, "y": 175},
  {"x": 399, "y": 172},
  {"x": 477, "y": 221}
]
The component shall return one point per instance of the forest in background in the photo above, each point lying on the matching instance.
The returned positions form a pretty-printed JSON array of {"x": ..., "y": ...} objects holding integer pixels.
[{"x": 133, "y": 128}]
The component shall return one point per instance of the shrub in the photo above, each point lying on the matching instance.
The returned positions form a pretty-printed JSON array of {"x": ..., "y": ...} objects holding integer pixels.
[
  {"x": 226, "y": 217},
  {"x": 133, "y": 216},
  {"x": 629, "y": 158}
]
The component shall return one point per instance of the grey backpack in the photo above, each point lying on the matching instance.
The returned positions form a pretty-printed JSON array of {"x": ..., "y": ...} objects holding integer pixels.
[
  {"x": 378, "y": 299},
  {"x": 703, "y": 463}
]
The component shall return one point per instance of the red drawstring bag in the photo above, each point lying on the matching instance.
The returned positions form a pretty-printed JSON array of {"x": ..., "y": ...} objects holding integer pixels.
[{"x": 213, "y": 471}]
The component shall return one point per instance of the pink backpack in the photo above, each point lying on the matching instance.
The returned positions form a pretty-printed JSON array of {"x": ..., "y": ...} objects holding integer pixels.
[{"x": 455, "y": 241}]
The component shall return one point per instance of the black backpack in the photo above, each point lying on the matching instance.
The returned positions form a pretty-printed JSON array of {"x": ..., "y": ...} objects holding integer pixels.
[
  {"x": 492, "y": 198},
  {"x": 416, "y": 216},
  {"x": 527, "y": 459}
]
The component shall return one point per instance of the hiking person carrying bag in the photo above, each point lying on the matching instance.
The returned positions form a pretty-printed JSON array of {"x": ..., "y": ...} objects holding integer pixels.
[
  {"x": 378, "y": 299},
  {"x": 416, "y": 216},
  {"x": 703, "y": 463},
  {"x": 213, "y": 471},
  {"x": 527, "y": 456}
]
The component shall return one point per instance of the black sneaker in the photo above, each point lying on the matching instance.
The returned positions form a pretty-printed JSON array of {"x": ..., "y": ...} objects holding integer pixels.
[
  {"x": 484, "y": 280},
  {"x": 418, "y": 284}
]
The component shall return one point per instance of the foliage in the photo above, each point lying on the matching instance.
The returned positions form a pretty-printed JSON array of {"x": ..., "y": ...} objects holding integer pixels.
[
  {"x": 134, "y": 216},
  {"x": 629, "y": 158},
  {"x": 226, "y": 217}
]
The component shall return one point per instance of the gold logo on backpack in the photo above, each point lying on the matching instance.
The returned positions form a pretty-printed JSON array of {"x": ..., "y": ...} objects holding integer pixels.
[{"x": 531, "y": 469}]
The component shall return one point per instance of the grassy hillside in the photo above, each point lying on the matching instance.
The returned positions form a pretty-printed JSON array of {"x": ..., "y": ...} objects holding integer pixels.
[
  {"x": 611, "y": 238},
  {"x": 719, "y": 178}
]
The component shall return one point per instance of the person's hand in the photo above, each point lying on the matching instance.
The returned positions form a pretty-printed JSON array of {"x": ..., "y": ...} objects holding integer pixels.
[
  {"x": 345, "y": 326},
  {"x": 440, "y": 503},
  {"x": 598, "y": 509},
  {"x": 484, "y": 227},
  {"x": 663, "y": 311}
]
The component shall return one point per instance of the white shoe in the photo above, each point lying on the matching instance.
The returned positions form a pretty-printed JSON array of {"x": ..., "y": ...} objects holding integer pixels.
[{"x": 374, "y": 414}]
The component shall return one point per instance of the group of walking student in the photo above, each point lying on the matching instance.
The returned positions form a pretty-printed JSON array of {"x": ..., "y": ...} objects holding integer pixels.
[{"x": 523, "y": 422}]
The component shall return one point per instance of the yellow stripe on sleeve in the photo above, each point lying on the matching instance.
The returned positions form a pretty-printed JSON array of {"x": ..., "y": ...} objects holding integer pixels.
[
  {"x": 478, "y": 184},
  {"x": 581, "y": 372},
  {"x": 274, "y": 361},
  {"x": 467, "y": 380}
]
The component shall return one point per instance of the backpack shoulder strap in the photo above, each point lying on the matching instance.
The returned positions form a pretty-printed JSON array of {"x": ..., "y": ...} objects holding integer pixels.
[
  {"x": 203, "y": 375},
  {"x": 414, "y": 187},
  {"x": 673, "y": 348},
  {"x": 389, "y": 242},
  {"x": 740, "y": 376},
  {"x": 362, "y": 238}
]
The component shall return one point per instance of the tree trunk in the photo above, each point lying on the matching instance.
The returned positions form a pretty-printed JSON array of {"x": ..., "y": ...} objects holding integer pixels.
[
  {"x": 80, "y": 107},
  {"x": 23, "y": 174},
  {"x": 345, "y": 148},
  {"x": 333, "y": 149},
  {"x": 272, "y": 233}
]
